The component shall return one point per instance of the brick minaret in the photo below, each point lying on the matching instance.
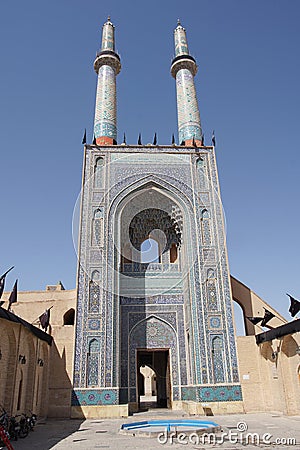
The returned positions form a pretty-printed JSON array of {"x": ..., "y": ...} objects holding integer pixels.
[
  {"x": 183, "y": 69},
  {"x": 107, "y": 65}
]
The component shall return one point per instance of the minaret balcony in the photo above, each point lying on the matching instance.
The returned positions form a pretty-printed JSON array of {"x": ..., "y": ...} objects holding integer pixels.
[
  {"x": 183, "y": 62},
  {"x": 108, "y": 58}
]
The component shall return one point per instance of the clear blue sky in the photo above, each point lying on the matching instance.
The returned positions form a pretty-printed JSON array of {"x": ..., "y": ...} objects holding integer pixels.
[{"x": 248, "y": 91}]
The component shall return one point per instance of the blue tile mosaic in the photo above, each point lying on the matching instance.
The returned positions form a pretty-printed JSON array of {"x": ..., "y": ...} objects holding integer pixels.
[
  {"x": 93, "y": 397},
  {"x": 193, "y": 320}
]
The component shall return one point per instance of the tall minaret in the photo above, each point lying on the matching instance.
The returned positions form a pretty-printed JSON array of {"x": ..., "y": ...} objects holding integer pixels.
[
  {"x": 183, "y": 69},
  {"x": 107, "y": 65}
]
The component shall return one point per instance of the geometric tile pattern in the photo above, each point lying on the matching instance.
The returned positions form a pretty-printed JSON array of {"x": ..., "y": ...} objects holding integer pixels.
[
  {"x": 212, "y": 393},
  {"x": 106, "y": 105},
  {"x": 217, "y": 358},
  {"x": 105, "y": 123},
  {"x": 187, "y": 105},
  {"x": 208, "y": 294},
  {"x": 92, "y": 397},
  {"x": 189, "y": 125}
]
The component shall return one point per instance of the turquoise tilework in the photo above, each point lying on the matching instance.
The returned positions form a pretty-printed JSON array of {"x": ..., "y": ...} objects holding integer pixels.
[{"x": 91, "y": 397}]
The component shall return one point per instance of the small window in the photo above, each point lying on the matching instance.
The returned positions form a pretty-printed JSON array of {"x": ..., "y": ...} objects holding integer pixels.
[
  {"x": 210, "y": 273},
  {"x": 95, "y": 276},
  {"x": 94, "y": 346},
  {"x": 173, "y": 253},
  {"x": 69, "y": 317},
  {"x": 205, "y": 214},
  {"x": 200, "y": 163}
]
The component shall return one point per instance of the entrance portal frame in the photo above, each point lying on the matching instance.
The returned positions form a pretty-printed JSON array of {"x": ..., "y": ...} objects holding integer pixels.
[
  {"x": 151, "y": 335},
  {"x": 166, "y": 387}
]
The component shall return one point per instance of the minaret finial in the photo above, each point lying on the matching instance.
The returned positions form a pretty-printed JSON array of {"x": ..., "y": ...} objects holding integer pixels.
[
  {"x": 178, "y": 22},
  {"x": 183, "y": 69},
  {"x": 107, "y": 65}
]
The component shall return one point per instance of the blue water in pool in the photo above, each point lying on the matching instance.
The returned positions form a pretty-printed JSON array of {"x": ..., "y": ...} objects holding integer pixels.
[{"x": 169, "y": 424}]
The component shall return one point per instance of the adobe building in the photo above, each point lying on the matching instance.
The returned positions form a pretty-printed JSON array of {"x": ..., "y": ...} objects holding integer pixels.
[{"x": 154, "y": 295}]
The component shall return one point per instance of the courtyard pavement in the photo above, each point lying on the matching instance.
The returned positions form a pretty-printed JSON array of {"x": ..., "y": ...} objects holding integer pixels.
[{"x": 104, "y": 434}]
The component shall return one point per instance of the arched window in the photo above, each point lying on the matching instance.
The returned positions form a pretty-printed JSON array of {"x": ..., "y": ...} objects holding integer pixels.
[
  {"x": 210, "y": 273},
  {"x": 98, "y": 227},
  {"x": 205, "y": 227},
  {"x": 217, "y": 359},
  {"x": 69, "y": 317},
  {"x": 94, "y": 346},
  {"x": 239, "y": 319},
  {"x": 150, "y": 251},
  {"x": 98, "y": 173},
  {"x": 199, "y": 163},
  {"x": 93, "y": 362},
  {"x": 94, "y": 292},
  {"x": 173, "y": 253},
  {"x": 201, "y": 167},
  {"x": 95, "y": 275}
]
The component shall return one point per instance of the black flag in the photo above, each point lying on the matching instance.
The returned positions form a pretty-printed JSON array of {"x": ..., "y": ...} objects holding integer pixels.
[
  {"x": 13, "y": 298},
  {"x": 2, "y": 281},
  {"x": 155, "y": 139},
  {"x": 84, "y": 137},
  {"x": 267, "y": 317},
  {"x": 45, "y": 319},
  {"x": 202, "y": 140},
  {"x": 124, "y": 139},
  {"x": 173, "y": 139},
  {"x": 254, "y": 320},
  {"x": 194, "y": 142},
  {"x": 213, "y": 139},
  {"x": 295, "y": 306},
  {"x": 2, "y": 302},
  {"x": 94, "y": 140},
  {"x": 140, "y": 139}
]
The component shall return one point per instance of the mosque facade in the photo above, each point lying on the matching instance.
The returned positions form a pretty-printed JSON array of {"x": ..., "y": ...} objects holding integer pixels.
[{"x": 174, "y": 312}]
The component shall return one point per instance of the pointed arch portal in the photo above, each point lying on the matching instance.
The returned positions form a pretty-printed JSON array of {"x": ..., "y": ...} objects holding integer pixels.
[{"x": 153, "y": 343}]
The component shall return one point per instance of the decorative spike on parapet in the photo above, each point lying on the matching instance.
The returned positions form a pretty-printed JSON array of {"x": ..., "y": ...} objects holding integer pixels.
[
  {"x": 183, "y": 69},
  {"x": 107, "y": 65}
]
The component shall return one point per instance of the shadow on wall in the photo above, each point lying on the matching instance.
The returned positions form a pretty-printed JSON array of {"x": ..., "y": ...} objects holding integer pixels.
[{"x": 60, "y": 386}]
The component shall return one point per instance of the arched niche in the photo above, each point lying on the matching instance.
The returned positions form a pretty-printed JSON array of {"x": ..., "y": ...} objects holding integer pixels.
[
  {"x": 98, "y": 173},
  {"x": 93, "y": 362},
  {"x": 69, "y": 317}
]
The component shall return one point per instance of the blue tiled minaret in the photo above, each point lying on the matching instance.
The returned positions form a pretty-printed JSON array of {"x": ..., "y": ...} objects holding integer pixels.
[
  {"x": 183, "y": 69},
  {"x": 107, "y": 65}
]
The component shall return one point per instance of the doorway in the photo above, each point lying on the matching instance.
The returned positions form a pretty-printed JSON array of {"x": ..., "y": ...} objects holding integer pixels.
[{"x": 153, "y": 377}]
